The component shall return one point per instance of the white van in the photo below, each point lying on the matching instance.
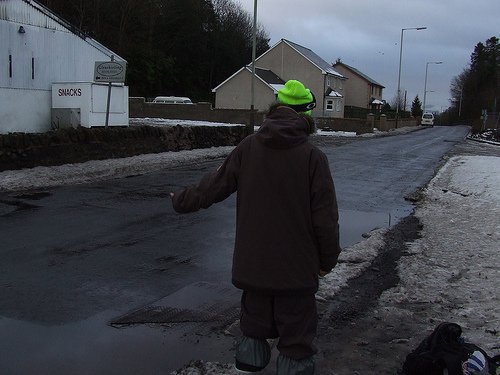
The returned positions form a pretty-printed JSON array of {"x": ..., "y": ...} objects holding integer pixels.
[
  {"x": 172, "y": 100},
  {"x": 427, "y": 119}
]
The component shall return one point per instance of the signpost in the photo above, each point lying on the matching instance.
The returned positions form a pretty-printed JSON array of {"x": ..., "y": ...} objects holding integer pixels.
[{"x": 109, "y": 71}]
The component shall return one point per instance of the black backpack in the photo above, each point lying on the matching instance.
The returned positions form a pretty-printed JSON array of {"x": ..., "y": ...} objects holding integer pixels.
[{"x": 444, "y": 349}]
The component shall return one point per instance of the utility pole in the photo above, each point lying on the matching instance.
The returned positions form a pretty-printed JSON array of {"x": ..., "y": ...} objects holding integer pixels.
[{"x": 254, "y": 50}]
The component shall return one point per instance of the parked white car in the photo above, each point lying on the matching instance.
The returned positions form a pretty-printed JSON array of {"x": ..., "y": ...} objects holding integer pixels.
[
  {"x": 172, "y": 100},
  {"x": 427, "y": 119}
]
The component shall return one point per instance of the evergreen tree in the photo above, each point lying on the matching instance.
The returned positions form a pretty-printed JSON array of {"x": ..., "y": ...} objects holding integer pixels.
[
  {"x": 478, "y": 86},
  {"x": 416, "y": 107}
]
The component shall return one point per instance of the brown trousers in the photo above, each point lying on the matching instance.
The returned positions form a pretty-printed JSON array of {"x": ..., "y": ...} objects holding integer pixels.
[{"x": 293, "y": 319}]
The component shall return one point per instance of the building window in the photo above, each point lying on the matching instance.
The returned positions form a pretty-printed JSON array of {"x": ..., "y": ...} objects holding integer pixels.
[
  {"x": 340, "y": 84},
  {"x": 329, "y": 105},
  {"x": 338, "y": 105}
]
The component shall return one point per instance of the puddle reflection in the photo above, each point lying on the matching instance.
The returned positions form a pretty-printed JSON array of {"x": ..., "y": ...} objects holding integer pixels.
[
  {"x": 93, "y": 347},
  {"x": 353, "y": 224}
]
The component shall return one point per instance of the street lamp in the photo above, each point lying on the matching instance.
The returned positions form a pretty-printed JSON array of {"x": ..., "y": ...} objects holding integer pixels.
[
  {"x": 425, "y": 84},
  {"x": 399, "y": 75},
  {"x": 460, "y": 105},
  {"x": 254, "y": 48}
]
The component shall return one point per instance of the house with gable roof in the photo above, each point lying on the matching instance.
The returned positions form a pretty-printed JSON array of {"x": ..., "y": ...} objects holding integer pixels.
[
  {"x": 235, "y": 92},
  {"x": 285, "y": 60},
  {"x": 361, "y": 90},
  {"x": 40, "y": 49}
]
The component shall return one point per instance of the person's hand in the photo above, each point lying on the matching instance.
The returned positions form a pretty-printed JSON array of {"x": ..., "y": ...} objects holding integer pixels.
[{"x": 323, "y": 273}]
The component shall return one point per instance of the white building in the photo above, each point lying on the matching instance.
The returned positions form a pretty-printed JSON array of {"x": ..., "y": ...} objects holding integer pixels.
[{"x": 38, "y": 49}]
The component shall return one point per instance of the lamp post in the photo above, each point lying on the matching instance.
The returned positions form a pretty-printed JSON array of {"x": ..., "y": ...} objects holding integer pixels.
[
  {"x": 399, "y": 75},
  {"x": 425, "y": 84},
  {"x": 254, "y": 48},
  {"x": 460, "y": 104}
]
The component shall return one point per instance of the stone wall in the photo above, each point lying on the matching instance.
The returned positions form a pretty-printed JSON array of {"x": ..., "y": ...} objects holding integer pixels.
[{"x": 27, "y": 150}]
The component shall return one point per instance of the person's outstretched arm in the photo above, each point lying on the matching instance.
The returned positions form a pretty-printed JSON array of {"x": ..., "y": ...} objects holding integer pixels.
[{"x": 212, "y": 188}]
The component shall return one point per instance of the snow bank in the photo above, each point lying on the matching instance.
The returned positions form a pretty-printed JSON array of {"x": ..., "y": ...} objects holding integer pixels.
[
  {"x": 43, "y": 177},
  {"x": 451, "y": 273},
  {"x": 352, "y": 262}
]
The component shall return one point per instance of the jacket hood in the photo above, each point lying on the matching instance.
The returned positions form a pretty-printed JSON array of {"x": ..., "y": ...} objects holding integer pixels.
[{"x": 283, "y": 128}]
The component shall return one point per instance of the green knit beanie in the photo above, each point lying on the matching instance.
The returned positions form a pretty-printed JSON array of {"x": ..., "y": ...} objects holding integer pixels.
[{"x": 296, "y": 96}]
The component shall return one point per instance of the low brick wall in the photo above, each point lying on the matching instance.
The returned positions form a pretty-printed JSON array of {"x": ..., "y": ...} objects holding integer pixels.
[
  {"x": 139, "y": 108},
  {"x": 359, "y": 126},
  {"x": 27, "y": 150},
  {"x": 391, "y": 124}
]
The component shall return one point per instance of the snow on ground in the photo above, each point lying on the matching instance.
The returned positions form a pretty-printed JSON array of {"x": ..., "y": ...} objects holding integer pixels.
[
  {"x": 44, "y": 177},
  {"x": 351, "y": 263},
  {"x": 173, "y": 122},
  {"x": 335, "y": 133},
  {"x": 452, "y": 272}
]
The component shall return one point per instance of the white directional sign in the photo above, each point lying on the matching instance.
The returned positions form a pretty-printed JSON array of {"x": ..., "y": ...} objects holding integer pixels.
[{"x": 110, "y": 71}]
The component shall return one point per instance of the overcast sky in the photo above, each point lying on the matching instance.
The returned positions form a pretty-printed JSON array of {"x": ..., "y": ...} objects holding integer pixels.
[{"x": 366, "y": 35}]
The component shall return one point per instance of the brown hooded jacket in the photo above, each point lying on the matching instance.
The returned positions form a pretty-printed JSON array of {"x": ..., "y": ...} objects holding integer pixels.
[{"x": 287, "y": 217}]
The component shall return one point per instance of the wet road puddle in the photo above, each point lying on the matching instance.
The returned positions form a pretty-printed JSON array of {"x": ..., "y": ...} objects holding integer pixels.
[
  {"x": 195, "y": 303},
  {"x": 93, "y": 347},
  {"x": 159, "y": 337},
  {"x": 354, "y": 224}
]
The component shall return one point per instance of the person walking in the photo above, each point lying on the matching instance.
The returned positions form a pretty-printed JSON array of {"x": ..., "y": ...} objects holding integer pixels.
[{"x": 287, "y": 232}]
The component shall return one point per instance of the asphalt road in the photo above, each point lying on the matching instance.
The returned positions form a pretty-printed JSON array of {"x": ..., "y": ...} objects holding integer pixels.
[{"x": 77, "y": 259}]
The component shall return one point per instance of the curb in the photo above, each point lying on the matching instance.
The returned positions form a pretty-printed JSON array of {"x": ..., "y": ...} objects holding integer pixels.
[{"x": 484, "y": 141}]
